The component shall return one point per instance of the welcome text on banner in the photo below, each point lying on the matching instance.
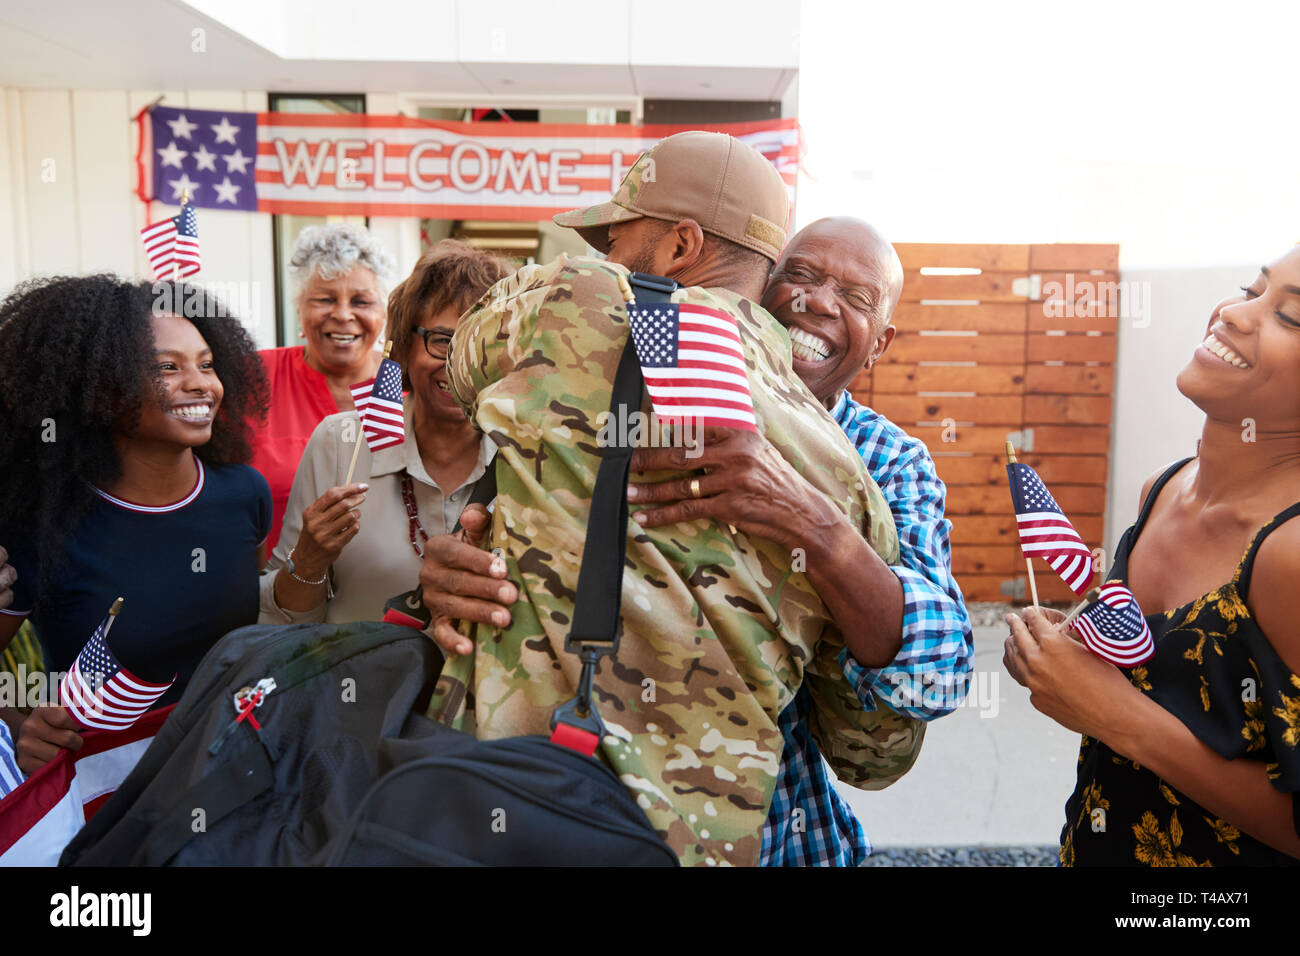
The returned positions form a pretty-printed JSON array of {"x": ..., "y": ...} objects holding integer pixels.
[{"x": 368, "y": 165}]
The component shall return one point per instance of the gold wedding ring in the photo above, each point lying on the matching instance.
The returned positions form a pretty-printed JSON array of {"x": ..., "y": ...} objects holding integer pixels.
[{"x": 695, "y": 487}]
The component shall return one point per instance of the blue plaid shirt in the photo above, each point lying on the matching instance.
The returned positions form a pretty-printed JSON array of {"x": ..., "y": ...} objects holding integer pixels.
[{"x": 927, "y": 679}]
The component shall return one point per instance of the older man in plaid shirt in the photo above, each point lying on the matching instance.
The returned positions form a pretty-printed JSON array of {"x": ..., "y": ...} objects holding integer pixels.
[{"x": 834, "y": 290}]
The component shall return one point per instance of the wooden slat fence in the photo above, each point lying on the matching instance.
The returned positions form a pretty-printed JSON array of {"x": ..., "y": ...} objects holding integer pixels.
[{"x": 998, "y": 342}]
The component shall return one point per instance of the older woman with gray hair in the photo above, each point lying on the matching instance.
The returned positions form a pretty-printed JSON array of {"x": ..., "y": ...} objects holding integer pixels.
[{"x": 343, "y": 276}]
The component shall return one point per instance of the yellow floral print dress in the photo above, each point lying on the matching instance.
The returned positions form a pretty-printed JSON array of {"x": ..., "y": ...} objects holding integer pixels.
[{"x": 1215, "y": 670}]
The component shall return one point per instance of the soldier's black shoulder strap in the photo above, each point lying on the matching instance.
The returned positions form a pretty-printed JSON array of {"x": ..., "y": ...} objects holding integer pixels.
[
  {"x": 596, "y": 625},
  {"x": 600, "y": 581}
]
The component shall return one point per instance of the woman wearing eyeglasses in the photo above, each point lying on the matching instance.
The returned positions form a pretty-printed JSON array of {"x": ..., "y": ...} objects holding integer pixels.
[{"x": 346, "y": 548}]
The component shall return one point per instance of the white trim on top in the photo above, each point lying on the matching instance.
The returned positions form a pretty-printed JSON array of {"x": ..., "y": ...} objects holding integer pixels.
[{"x": 158, "y": 509}]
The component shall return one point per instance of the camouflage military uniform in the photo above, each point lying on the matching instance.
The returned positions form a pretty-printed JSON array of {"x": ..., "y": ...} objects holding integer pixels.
[{"x": 719, "y": 631}]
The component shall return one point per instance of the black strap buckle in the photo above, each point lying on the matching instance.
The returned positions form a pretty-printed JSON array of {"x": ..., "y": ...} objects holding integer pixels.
[
  {"x": 652, "y": 282},
  {"x": 590, "y": 655},
  {"x": 596, "y": 625}
]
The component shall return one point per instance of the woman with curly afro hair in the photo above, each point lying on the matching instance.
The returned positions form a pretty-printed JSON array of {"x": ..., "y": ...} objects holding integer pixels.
[{"x": 125, "y": 415}]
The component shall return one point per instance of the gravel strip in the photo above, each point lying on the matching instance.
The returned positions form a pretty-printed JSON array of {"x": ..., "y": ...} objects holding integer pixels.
[
  {"x": 987, "y": 614},
  {"x": 963, "y": 856}
]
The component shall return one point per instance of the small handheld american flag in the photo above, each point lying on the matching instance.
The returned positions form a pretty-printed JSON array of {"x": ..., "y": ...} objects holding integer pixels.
[
  {"x": 693, "y": 364},
  {"x": 1113, "y": 627},
  {"x": 1045, "y": 531},
  {"x": 379, "y": 405},
  {"x": 99, "y": 691},
  {"x": 173, "y": 245}
]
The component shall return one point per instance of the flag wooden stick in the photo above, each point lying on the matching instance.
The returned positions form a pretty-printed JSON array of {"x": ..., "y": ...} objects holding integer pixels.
[
  {"x": 176, "y": 266},
  {"x": 1029, "y": 562},
  {"x": 356, "y": 449},
  {"x": 113, "y": 612},
  {"x": 1092, "y": 595}
]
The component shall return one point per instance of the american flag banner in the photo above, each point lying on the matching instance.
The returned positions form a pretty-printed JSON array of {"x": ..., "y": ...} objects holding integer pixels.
[
  {"x": 1045, "y": 531},
  {"x": 100, "y": 692},
  {"x": 368, "y": 164},
  {"x": 693, "y": 363},
  {"x": 379, "y": 406},
  {"x": 1113, "y": 627},
  {"x": 172, "y": 246}
]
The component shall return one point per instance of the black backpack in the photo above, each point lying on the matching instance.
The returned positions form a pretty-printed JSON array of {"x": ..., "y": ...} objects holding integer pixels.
[
  {"x": 273, "y": 786},
  {"x": 451, "y": 800},
  {"x": 343, "y": 768}
]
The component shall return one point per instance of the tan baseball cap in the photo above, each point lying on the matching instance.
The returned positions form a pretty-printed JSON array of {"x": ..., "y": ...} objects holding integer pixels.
[{"x": 729, "y": 188}]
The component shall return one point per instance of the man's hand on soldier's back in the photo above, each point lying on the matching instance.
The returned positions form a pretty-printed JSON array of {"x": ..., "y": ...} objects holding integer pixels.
[{"x": 462, "y": 582}]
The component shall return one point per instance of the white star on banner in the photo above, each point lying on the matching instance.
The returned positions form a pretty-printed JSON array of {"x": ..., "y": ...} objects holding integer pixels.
[
  {"x": 237, "y": 158},
  {"x": 205, "y": 159},
  {"x": 171, "y": 155},
  {"x": 227, "y": 191},
  {"x": 180, "y": 185},
  {"x": 181, "y": 127},
  {"x": 225, "y": 131}
]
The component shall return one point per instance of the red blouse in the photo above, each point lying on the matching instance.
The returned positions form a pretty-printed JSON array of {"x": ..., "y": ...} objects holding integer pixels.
[{"x": 300, "y": 399}]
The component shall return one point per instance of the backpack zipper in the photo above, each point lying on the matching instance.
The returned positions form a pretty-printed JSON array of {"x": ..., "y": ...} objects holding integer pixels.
[{"x": 246, "y": 700}]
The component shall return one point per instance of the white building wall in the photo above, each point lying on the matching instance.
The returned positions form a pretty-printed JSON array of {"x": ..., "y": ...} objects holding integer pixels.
[
  {"x": 13, "y": 224},
  {"x": 1153, "y": 423}
]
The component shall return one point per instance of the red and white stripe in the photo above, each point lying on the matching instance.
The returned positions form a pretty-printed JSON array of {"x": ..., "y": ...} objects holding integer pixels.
[
  {"x": 1120, "y": 653},
  {"x": 381, "y": 420},
  {"x": 361, "y": 396},
  {"x": 1050, "y": 536},
  {"x": 383, "y": 425},
  {"x": 169, "y": 252},
  {"x": 432, "y": 168},
  {"x": 158, "y": 509},
  {"x": 39, "y": 817},
  {"x": 709, "y": 383},
  {"x": 114, "y": 705}
]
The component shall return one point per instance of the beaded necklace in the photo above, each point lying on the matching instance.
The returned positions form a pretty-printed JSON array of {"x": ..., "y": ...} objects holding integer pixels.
[{"x": 413, "y": 516}]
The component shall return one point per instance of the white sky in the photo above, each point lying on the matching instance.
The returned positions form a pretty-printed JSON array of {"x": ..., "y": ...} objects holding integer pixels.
[{"x": 1173, "y": 129}]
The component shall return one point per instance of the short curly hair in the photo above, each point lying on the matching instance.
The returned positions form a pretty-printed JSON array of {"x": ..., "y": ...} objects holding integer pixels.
[
  {"x": 333, "y": 250},
  {"x": 450, "y": 273},
  {"x": 76, "y": 367}
]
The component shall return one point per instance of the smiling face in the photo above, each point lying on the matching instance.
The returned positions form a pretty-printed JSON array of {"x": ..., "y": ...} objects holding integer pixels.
[
  {"x": 834, "y": 290},
  {"x": 428, "y": 375},
  {"x": 191, "y": 392},
  {"x": 1248, "y": 365},
  {"x": 341, "y": 318}
]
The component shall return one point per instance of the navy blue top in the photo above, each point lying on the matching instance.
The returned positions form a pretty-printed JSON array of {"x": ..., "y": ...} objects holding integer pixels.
[{"x": 188, "y": 572}]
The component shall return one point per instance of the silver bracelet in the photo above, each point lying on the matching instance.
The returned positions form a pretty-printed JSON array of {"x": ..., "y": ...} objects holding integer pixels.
[{"x": 288, "y": 566}]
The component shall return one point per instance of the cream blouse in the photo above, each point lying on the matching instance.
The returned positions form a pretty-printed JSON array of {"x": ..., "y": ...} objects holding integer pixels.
[{"x": 379, "y": 562}]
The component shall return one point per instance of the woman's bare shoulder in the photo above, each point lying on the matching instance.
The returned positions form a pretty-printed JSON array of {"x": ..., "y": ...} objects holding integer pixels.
[
  {"x": 1274, "y": 597},
  {"x": 1152, "y": 479}
]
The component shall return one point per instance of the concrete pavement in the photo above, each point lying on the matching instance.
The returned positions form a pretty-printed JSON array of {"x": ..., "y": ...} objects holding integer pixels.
[{"x": 993, "y": 772}]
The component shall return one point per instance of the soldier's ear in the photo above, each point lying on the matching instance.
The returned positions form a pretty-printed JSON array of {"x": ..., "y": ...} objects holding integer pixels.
[{"x": 687, "y": 240}]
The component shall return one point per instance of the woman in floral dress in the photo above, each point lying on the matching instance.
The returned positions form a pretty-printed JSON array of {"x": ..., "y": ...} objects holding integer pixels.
[{"x": 1193, "y": 759}]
